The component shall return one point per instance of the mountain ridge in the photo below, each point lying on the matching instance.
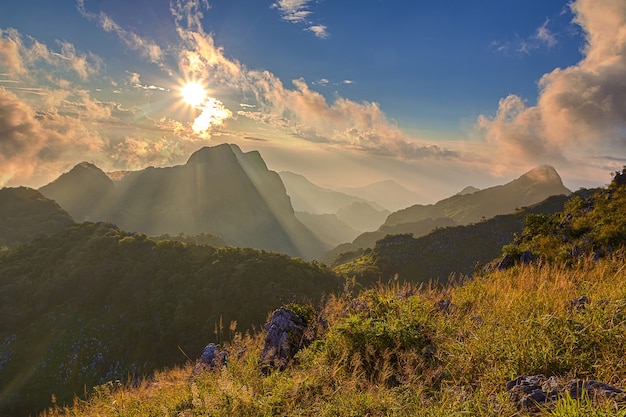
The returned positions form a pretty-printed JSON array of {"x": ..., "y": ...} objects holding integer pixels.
[
  {"x": 220, "y": 190},
  {"x": 462, "y": 208}
]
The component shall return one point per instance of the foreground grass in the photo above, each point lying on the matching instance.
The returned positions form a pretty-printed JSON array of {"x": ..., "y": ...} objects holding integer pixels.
[{"x": 391, "y": 351}]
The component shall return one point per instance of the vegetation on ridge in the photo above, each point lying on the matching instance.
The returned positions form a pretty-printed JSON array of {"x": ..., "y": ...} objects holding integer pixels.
[
  {"x": 399, "y": 349},
  {"x": 94, "y": 303},
  {"x": 391, "y": 351}
]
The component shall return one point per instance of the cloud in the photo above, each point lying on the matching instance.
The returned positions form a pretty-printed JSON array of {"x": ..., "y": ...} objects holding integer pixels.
[
  {"x": 199, "y": 57},
  {"x": 581, "y": 109},
  {"x": 306, "y": 114},
  {"x": 22, "y": 54},
  {"x": 542, "y": 38},
  {"x": 297, "y": 11},
  {"x": 545, "y": 36},
  {"x": 213, "y": 113},
  {"x": 148, "y": 49},
  {"x": 34, "y": 143}
]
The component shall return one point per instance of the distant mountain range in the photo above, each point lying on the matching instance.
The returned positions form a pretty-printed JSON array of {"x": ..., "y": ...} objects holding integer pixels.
[
  {"x": 335, "y": 217},
  {"x": 388, "y": 194},
  {"x": 471, "y": 205},
  {"x": 468, "y": 206},
  {"x": 220, "y": 190}
]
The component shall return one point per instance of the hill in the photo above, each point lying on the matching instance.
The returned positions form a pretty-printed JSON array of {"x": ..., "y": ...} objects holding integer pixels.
[
  {"x": 82, "y": 191},
  {"x": 25, "y": 213},
  {"x": 93, "y": 303},
  {"x": 532, "y": 187},
  {"x": 542, "y": 338},
  {"x": 454, "y": 250},
  {"x": 327, "y": 227},
  {"x": 220, "y": 190},
  {"x": 311, "y": 198},
  {"x": 388, "y": 194},
  {"x": 469, "y": 206}
]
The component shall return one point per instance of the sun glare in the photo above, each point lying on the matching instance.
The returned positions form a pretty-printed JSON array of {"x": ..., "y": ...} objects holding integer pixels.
[{"x": 193, "y": 93}]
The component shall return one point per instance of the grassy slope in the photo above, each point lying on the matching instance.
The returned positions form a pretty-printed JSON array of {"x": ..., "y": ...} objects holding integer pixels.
[{"x": 390, "y": 352}]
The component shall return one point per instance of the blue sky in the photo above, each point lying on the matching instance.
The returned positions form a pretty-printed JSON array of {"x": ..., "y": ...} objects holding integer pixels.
[{"x": 435, "y": 95}]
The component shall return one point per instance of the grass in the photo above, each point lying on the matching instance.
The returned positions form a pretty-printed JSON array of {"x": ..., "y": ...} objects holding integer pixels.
[{"x": 390, "y": 351}]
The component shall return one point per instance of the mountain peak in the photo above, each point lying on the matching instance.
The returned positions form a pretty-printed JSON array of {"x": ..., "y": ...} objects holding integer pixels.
[
  {"x": 207, "y": 154},
  {"x": 543, "y": 173}
]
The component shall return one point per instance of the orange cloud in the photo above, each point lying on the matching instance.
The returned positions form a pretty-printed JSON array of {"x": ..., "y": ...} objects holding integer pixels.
[{"x": 581, "y": 110}]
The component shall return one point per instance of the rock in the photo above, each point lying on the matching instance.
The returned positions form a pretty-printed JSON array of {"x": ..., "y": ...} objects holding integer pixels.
[
  {"x": 526, "y": 257},
  {"x": 580, "y": 303},
  {"x": 444, "y": 306},
  {"x": 527, "y": 391},
  {"x": 211, "y": 358},
  {"x": 531, "y": 392},
  {"x": 595, "y": 389},
  {"x": 506, "y": 262},
  {"x": 286, "y": 335}
]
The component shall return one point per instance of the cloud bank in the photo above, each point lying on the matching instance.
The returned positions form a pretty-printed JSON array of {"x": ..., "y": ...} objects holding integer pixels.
[{"x": 581, "y": 109}]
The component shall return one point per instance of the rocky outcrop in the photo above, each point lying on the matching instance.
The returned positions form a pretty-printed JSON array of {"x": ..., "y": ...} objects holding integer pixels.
[
  {"x": 286, "y": 335},
  {"x": 210, "y": 359},
  {"x": 535, "y": 391}
]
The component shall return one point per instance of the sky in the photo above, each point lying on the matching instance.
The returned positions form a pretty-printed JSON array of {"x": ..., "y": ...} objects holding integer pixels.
[{"x": 434, "y": 95}]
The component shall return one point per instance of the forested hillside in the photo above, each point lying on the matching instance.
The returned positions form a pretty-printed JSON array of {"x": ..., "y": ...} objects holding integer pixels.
[
  {"x": 26, "y": 213},
  {"x": 94, "y": 303}
]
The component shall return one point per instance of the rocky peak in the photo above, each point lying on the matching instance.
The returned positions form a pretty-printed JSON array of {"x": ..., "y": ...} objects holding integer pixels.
[{"x": 543, "y": 174}]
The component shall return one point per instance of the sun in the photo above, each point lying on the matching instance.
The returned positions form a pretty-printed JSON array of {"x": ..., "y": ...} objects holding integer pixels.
[{"x": 193, "y": 93}]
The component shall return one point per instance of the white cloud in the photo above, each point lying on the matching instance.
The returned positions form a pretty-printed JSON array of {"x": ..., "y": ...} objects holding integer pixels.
[
  {"x": 581, "y": 109},
  {"x": 542, "y": 38},
  {"x": 297, "y": 11}
]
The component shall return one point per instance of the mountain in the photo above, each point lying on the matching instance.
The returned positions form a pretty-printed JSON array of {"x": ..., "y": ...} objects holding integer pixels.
[
  {"x": 311, "y": 198},
  {"x": 25, "y": 213},
  {"x": 532, "y": 187},
  {"x": 460, "y": 209},
  {"x": 362, "y": 216},
  {"x": 468, "y": 190},
  {"x": 220, "y": 190},
  {"x": 541, "y": 339},
  {"x": 446, "y": 251},
  {"x": 327, "y": 228},
  {"x": 81, "y": 191},
  {"x": 93, "y": 303},
  {"x": 389, "y": 194}
]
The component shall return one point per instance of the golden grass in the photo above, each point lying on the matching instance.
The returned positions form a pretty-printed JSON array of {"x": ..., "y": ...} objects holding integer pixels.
[{"x": 390, "y": 352}]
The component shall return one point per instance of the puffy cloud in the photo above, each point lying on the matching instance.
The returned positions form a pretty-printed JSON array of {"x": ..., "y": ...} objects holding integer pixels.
[
  {"x": 580, "y": 109},
  {"x": 346, "y": 123},
  {"x": 34, "y": 143},
  {"x": 199, "y": 57},
  {"x": 213, "y": 113}
]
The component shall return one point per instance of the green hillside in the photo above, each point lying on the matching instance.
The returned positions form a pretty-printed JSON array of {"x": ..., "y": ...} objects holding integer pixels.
[
  {"x": 26, "y": 213},
  {"x": 94, "y": 303},
  {"x": 459, "y": 350},
  {"x": 446, "y": 251}
]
